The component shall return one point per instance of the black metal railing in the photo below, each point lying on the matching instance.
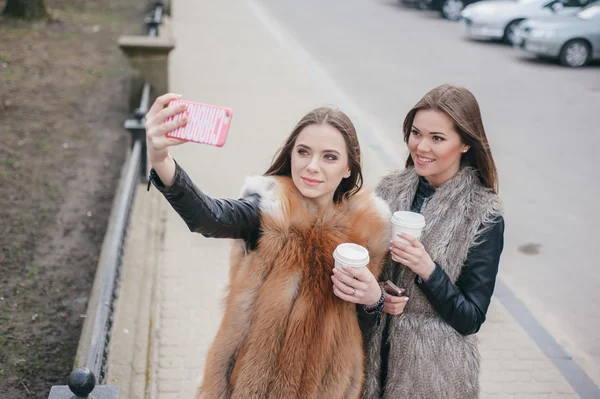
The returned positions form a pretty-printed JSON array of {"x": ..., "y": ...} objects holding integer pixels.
[
  {"x": 137, "y": 130},
  {"x": 90, "y": 378},
  {"x": 154, "y": 20}
]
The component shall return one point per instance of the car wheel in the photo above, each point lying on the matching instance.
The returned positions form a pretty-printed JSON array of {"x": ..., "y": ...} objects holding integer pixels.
[
  {"x": 575, "y": 53},
  {"x": 510, "y": 31},
  {"x": 451, "y": 9}
]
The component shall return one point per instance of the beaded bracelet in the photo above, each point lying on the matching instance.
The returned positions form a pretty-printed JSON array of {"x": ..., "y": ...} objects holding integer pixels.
[{"x": 378, "y": 306}]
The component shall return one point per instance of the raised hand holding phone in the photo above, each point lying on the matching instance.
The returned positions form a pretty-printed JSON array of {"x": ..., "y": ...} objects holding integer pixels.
[
  {"x": 160, "y": 121},
  {"x": 156, "y": 128}
]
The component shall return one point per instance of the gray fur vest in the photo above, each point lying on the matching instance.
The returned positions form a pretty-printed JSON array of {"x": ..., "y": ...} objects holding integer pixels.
[{"x": 428, "y": 359}]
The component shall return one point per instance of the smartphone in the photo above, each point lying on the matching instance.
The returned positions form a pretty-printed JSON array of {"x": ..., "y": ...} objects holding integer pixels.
[
  {"x": 393, "y": 289},
  {"x": 207, "y": 124}
]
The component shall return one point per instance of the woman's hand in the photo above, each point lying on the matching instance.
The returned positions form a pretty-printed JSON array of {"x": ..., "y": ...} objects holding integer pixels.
[
  {"x": 394, "y": 305},
  {"x": 413, "y": 256},
  {"x": 157, "y": 143},
  {"x": 358, "y": 286},
  {"x": 156, "y": 128}
]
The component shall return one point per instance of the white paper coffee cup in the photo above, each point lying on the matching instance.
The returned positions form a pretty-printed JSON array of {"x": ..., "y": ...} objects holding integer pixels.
[
  {"x": 350, "y": 255},
  {"x": 407, "y": 222}
]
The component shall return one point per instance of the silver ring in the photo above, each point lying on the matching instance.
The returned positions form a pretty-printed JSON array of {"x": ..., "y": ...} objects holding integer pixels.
[{"x": 353, "y": 291}]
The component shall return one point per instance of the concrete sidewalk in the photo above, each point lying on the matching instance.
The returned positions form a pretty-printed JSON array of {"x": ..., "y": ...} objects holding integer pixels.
[{"x": 232, "y": 53}]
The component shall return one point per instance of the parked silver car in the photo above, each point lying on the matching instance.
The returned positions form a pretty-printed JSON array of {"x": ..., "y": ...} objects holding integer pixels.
[
  {"x": 499, "y": 19},
  {"x": 574, "y": 40}
]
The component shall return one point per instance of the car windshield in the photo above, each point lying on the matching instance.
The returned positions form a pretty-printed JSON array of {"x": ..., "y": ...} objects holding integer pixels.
[{"x": 591, "y": 12}]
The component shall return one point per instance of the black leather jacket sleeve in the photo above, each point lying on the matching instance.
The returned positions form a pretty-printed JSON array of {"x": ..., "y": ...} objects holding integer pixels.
[
  {"x": 217, "y": 218},
  {"x": 464, "y": 305}
]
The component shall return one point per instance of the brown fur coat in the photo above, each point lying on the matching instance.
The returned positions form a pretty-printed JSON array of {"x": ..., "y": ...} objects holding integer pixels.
[{"x": 284, "y": 334}]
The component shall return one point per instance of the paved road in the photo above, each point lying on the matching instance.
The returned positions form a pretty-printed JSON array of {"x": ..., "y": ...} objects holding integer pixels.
[{"x": 542, "y": 120}]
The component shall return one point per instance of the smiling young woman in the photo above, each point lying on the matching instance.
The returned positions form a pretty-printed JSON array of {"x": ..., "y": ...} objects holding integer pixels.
[
  {"x": 449, "y": 273},
  {"x": 285, "y": 332}
]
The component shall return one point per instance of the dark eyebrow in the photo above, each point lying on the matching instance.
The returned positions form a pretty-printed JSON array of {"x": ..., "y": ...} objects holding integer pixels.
[
  {"x": 417, "y": 129},
  {"x": 308, "y": 148}
]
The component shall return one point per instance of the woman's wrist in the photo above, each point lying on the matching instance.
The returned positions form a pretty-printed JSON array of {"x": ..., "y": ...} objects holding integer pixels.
[
  {"x": 375, "y": 294},
  {"x": 426, "y": 274},
  {"x": 377, "y": 306},
  {"x": 165, "y": 169}
]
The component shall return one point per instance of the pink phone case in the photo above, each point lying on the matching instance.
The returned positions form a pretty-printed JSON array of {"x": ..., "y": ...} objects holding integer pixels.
[{"x": 207, "y": 124}]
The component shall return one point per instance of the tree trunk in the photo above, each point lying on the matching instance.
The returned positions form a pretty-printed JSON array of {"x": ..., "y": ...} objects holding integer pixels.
[{"x": 25, "y": 9}]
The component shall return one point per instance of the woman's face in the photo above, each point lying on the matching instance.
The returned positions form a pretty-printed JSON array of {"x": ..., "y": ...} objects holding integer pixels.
[
  {"x": 435, "y": 146},
  {"x": 319, "y": 162}
]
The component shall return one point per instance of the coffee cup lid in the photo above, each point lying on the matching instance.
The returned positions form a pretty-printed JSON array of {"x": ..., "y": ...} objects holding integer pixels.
[
  {"x": 408, "y": 219},
  {"x": 351, "y": 255}
]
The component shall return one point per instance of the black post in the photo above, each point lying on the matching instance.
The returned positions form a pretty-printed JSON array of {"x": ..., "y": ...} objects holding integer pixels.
[
  {"x": 153, "y": 21},
  {"x": 138, "y": 131},
  {"x": 82, "y": 384}
]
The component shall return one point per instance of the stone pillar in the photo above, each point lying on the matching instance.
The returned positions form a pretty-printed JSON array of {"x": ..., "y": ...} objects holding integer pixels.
[{"x": 149, "y": 58}]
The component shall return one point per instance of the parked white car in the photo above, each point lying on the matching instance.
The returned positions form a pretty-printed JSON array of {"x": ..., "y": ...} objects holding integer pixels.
[{"x": 499, "y": 19}]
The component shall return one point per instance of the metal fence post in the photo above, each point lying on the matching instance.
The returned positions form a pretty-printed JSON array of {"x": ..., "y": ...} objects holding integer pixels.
[
  {"x": 82, "y": 384},
  {"x": 138, "y": 131}
]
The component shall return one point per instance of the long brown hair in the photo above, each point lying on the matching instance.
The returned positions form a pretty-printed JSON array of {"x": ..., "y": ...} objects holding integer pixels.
[
  {"x": 462, "y": 107},
  {"x": 282, "y": 163}
]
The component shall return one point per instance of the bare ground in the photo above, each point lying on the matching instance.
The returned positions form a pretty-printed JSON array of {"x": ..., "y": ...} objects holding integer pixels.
[{"x": 63, "y": 100}]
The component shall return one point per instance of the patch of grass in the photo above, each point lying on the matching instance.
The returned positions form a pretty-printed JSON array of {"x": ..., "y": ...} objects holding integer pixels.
[
  {"x": 10, "y": 74},
  {"x": 44, "y": 207},
  {"x": 68, "y": 36},
  {"x": 12, "y": 363},
  {"x": 99, "y": 18},
  {"x": 45, "y": 146},
  {"x": 4, "y": 57},
  {"x": 37, "y": 362},
  {"x": 94, "y": 72},
  {"x": 13, "y": 33},
  {"x": 86, "y": 83},
  {"x": 32, "y": 270},
  {"x": 10, "y": 162}
]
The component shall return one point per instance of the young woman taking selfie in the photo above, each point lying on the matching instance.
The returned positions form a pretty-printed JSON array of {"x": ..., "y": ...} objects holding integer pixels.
[{"x": 284, "y": 332}]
